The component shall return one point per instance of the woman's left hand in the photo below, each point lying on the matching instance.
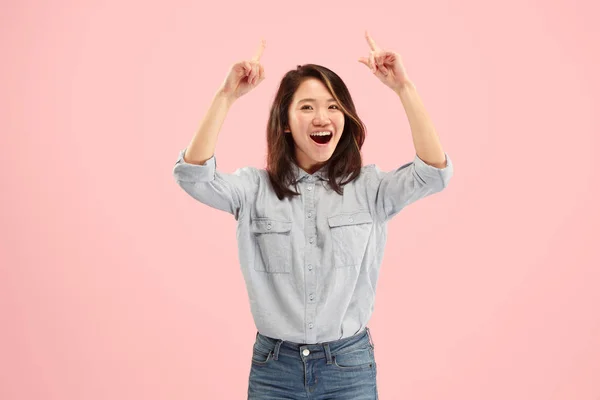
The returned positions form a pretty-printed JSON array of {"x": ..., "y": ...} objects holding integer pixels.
[{"x": 386, "y": 65}]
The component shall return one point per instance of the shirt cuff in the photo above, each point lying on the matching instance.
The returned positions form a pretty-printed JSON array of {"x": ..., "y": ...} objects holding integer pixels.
[
  {"x": 186, "y": 172},
  {"x": 429, "y": 172}
]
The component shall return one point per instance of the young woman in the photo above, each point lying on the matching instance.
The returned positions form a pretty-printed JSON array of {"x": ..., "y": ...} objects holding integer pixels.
[{"x": 312, "y": 226}]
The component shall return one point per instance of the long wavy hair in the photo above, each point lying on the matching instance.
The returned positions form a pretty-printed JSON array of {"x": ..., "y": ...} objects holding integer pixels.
[{"x": 345, "y": 161}]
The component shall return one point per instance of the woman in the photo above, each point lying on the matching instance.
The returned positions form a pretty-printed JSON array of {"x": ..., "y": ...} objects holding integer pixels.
[{"x": 312, "y": 226}]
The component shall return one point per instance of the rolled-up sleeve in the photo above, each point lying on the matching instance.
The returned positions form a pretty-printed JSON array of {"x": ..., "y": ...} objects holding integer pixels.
[
  {"x": 223, "y": 191},
  {"x": 392, "y": 191}
]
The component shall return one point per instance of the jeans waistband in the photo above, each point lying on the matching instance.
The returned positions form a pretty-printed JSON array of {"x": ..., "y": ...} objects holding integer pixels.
[{"x": 316, "y": 350}]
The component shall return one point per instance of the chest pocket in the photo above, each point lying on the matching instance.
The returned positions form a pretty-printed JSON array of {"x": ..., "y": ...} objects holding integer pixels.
[
  {"x": 350, "y": 234},
  {"x": 274, "y": 242}
]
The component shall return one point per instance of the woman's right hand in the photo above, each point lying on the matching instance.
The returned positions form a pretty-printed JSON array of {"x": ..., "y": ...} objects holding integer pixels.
[{"x": 244, "y": 76}]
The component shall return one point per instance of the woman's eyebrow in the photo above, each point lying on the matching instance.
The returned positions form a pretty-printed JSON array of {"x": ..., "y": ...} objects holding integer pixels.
[{"x": 314, "y": 100}]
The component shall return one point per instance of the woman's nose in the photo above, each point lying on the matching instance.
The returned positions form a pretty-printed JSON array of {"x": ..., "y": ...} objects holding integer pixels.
[{"x": 321, "y": 118}]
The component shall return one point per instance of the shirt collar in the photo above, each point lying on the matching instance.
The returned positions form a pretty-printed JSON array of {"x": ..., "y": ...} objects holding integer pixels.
[{"x": 300, "y": 174}]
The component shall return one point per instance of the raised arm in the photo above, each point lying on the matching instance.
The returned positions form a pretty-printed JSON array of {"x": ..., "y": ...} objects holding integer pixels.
[
  {"x": 196, "y": 168},
  {"x": 431, "y": 168},
  {"x": 242, "y": 77}
]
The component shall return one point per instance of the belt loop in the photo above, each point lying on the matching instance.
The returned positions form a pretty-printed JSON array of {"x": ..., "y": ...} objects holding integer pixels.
[
  {"x": 327, "y": 353},
  {"x": 370, "y": 338},
  {"x": 276, "y": 350}
]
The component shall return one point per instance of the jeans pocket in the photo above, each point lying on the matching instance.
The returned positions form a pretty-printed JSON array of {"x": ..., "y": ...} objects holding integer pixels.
[
  {"x": 274, "y": 245},
  {"x": 261, "y": 357},
  {"x": 362, "y": 358},
  {"x": 350, "y": 234}
]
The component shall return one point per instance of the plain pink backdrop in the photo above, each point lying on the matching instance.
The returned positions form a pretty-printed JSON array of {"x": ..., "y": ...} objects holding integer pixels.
[{"x": 115, "y": 284}]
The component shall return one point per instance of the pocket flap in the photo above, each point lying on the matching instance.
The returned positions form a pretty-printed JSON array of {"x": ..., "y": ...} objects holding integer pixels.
[
  {"x": 267, "y": 225},
  {"x": 352, "y": 218}
]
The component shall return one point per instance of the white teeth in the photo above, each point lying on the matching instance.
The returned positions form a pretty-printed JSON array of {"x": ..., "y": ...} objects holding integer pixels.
[{"x": 320, "y": 133}]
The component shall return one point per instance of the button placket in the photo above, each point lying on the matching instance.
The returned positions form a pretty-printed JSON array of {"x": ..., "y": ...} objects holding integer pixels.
[{"x": 310, "y": 232}]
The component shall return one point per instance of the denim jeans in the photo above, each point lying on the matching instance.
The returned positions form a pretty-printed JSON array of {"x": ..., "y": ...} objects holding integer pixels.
[{"x": 344, "y": 369}]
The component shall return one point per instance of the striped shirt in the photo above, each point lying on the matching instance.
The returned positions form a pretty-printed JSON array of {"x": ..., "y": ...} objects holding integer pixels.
[{"x": 311, "y": 263}]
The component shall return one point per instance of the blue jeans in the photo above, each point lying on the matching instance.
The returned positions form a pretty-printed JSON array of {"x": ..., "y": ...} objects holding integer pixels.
[{"x": 342, "y": 369}]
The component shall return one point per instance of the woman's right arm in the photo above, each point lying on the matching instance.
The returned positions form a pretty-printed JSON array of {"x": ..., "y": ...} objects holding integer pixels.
[
  {"x": 242, "y": 78},
  {"x": 202, "y": 146},
  {"x": 196, "y": 170}
]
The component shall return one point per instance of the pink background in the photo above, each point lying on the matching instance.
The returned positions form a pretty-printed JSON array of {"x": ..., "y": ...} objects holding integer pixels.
[{"x": 115, "y": 284}]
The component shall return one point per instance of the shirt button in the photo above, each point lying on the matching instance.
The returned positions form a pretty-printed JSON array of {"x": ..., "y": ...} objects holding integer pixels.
[
  {"x": 309, "y": 188},
  {"x": 269, "y": 226},
  {"x": 305, "y": 352},
  {"x": 310, "y": 325},
  {"x": 309, "y": 178},
  {"x": 311, "y": 240},
  {"x": 309, "y": 267},
  {"x": 312, "y": 297},
  {"x": 351, "y": 219},
  {"x": 309, "y": 215}
]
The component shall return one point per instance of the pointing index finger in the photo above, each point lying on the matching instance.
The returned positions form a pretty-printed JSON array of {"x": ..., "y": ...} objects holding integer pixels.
[
  {"x": 371, "y": 42},
  {"x": 259, "y": 52}
]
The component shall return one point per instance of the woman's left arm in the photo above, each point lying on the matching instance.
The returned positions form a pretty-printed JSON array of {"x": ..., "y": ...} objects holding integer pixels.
[
  {"x": 425, "y": 138},
  {"x": 387, "y": 66}
]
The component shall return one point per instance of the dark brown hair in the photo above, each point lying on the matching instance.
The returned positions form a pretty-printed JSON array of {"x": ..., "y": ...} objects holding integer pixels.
[{"x": 346, "y": 160}]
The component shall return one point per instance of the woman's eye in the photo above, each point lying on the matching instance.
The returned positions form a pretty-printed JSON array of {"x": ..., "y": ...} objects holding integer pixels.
[{"x": 333, "y": 105}]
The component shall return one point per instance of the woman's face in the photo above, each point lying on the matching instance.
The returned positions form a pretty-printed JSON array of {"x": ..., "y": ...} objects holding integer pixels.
[{"x": 313, "y": 110}]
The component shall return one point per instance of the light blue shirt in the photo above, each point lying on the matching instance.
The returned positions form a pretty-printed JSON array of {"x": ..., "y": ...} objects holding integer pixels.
[{"x": 311, "y": 263}]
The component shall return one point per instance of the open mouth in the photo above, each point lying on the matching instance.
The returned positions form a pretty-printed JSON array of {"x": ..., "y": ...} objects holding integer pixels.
[{"x": 321, "y": 137}]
